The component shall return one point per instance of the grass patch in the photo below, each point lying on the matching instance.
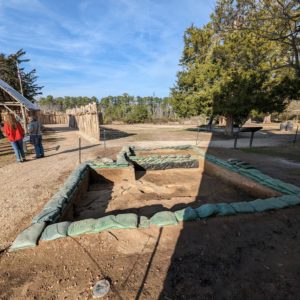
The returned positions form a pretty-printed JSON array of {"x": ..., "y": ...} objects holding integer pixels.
[{"x": 287, "y": 152}]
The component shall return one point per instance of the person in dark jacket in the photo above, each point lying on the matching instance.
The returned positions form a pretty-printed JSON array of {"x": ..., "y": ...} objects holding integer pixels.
[
  {"x": 34, "y": 129},
  {"x": 15, "y": 134}
]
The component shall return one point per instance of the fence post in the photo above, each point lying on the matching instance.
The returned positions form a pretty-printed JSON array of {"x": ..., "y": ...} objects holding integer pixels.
[{"x": 79, "y": 149}]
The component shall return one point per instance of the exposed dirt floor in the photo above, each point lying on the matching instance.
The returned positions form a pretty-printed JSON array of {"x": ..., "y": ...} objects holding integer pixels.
[
  {"x": 240, "y": 257},
  {"x": 155, "y": 191}
]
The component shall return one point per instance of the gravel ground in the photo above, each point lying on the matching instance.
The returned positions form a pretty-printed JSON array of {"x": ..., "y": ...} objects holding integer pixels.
[{"x": 26, "y": 187}]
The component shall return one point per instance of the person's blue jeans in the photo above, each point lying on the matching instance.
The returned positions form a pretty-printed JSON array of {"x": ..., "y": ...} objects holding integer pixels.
[
  {"x": 36, "y": 140},
  {"x": 18, "y": 149}
]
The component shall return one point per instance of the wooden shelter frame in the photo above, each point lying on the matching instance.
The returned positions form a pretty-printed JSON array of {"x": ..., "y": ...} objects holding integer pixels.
[{"x": 11, "y": 100}]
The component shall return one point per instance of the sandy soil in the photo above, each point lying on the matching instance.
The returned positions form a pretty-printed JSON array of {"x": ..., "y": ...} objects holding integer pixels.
[
  {"x": 247, "y": 257},
  {"x": 242, "y": 257},
  {"x": 155, "y": 191},
  {"x": 148, "y": 134}
]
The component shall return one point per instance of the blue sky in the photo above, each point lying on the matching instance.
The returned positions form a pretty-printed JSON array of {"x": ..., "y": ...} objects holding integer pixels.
[{"x": 101, "y": 47}]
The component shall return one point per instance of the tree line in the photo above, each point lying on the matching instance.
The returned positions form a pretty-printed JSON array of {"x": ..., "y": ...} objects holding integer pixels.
[
  {"x": 125, "y": 108},
  {"x": 245, "y": 58},
  {"x": 138, "y": 109},
  {"x": 50, "y": 103}
]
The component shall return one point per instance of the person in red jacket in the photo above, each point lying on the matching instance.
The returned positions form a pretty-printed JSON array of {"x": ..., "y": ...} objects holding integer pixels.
[{"x": 15, "y": 134}]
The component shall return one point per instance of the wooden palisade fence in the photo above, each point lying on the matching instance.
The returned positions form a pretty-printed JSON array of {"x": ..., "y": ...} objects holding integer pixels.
[
  {"x": 86, "y": 119},
  {"x": 55, "y": 117}
]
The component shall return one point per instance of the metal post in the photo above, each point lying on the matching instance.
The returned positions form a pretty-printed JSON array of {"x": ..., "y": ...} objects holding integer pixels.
[
  {"x": 295, "y": 137},
  {"x": 79, "y": 149},
  {"x": 236, "y": 138},
  {"x": 198, "y": 130},
  {"x": 104, "y": 139},
  {"x": 251, "y": 139}
]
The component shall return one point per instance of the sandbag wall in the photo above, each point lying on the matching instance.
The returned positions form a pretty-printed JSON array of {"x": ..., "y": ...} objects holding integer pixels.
[
  {"x": 59, "y": 207},
  {"x": 45, "y": 228}
]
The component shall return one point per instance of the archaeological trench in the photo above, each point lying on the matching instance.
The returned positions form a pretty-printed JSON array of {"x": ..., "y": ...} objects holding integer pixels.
[{"x": 154, "y": 187}]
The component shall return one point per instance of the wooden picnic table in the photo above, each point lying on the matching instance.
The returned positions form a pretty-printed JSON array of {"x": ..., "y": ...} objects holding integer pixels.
[{"x": 246, "y": 129}]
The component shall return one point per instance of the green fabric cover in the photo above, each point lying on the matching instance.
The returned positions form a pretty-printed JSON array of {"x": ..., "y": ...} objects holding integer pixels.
[
  {"x": 57, "y": 201},
  {"x": 206, "y": 210},
  {"x": 276, "y": 203},
  {"x": 144, "y": 222},
  {"x": 125, "y": 221},
  {"x": 107, "y": 222},
  {"x": 225, "y": 209},
  {"x": 28, "y": 238},
  {"x": 262, "y": 205},
  {"x": 290, "y": 199},
  {"x": 242, "y": 207},
  {"x": 47, "y": 215},
  {"x": 163, "y": 218},
  {"x": 81, "y": 227},
  {"x": 55, "y": 231},
  {"x": 186, "y": 214}
]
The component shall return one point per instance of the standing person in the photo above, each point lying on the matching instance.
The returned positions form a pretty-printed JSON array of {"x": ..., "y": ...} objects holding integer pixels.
[
  {"x": 15, "y": 134},
  {"x": 34, "y": 129}
]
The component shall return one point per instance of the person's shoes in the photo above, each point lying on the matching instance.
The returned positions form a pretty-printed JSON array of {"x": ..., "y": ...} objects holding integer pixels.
[{"x": 43, "y": 155}]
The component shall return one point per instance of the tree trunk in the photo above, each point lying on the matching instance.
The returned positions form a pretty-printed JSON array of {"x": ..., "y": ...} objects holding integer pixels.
[
  {"x": 229, "y": 125},
  {"x": 267, "y": 119}
]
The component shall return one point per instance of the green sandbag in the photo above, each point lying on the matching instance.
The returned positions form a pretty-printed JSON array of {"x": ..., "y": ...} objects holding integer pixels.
[
  {"x": 67, "y": 189},
  {"x": 186, "y": 214},
  {"x": 71, "y": 184},
  {"x": 121, "y": 159},
  {"x": 225, "y": 209},
  {"x": 164, "y": 218},
  {"x": 125, "y": 221},
  {"x": 28, "y": 238},
  {"x": 49, "y": 215},
  {"x": 206, "y": 210},
  {"x": 81, "y": 227},
  {"x": 57, "y": 201},
  {"x": 55, "y": 231},
  {"x": 107, "y": 222},
  {"x": 242, "y": 207},
  {"x": 262, "y": 205},
  {"x": 291, "y": 200},
  {"x": 144, "y": 222},
  {"x": 293, "y": 188},
  {"x": 276, "y": 203}
]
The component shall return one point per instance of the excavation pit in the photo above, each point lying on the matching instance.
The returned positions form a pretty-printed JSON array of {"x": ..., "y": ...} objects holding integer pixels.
[{"x": 160, "y": 187}]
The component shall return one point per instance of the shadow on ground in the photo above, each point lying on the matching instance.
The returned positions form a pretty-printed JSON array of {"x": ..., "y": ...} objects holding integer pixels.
[
  {"x": 237, "y": 257},
  {"x": 107, "y": 133}
]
